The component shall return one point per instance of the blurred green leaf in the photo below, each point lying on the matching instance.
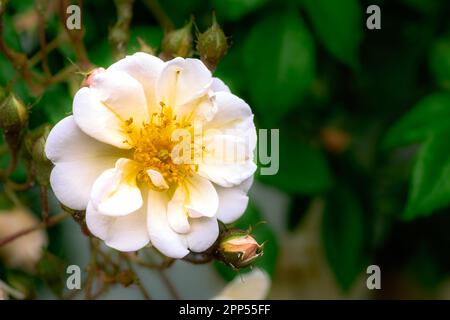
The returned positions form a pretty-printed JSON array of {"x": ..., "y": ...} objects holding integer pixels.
[
  {"x": 101, "y": 54},
  {"x": 429, "y": 116},
  {"x": 430, "y": 185},
  {"x": 343, "y": 235},
  {"x": 262, "y": 233},
  {"x": 229, "y": 70},
  {"x": 52, "y": 270},
  {"x": 440, "y": 62},
  {"x": 9, "y": 35},
  {"x": 339, "y": 26},
  {"x": 56, "y": 103},
  {"x": 236, "y": 9},
  {"x": 303, "y": 169},
  {"x": 5, "y": 202},
  {"x": 279, "y": 68},
  {"x": 427, "y": 7}
]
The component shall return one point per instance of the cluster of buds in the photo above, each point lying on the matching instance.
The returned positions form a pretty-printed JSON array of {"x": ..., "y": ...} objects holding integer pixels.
[
  {"x": 238, "y": 249},
  {"x": 211, "y": 45}
]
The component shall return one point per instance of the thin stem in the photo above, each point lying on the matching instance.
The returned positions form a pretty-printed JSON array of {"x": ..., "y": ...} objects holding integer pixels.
[
  {"x": 44, "y": 203},
  {"x": 51, "y": 222},
  {"x": 52, "y": 45},
  {"x": 119, "y": 35},
  {"x": 139, "y": 284},
  {"x": 42, "y": 40},
  {"x": 75, "y": 36},
  {"x": 159, "y": 14},
  {"x": 170, "y": 286}
]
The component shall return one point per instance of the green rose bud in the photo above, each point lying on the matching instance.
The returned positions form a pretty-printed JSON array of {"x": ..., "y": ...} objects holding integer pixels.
[
  {"x": 177, "y": 43},
  {"x": 212, "y": 45},
  {"x": 42, "y": 165},
  {"x": 13, "y": 119}
]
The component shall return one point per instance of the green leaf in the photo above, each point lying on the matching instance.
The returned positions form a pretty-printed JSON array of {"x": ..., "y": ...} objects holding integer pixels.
[
  {"x": 56, "y": 103},
  {"x": 430, "y": 185},
  {"x": 235, "y": 9},
  {"x": 52, "y": 270},
  {"x": 440, "y": 62},
  {"x": 339, "y": 26},
  {"x": 429, "y": 116},
  {"x": 281, "y": 67},
  {"x": 101, "y": 54},
  {"x": 343, "y": 235},
  {"x": 302, "y": 169},
  {"x": 262, "y": 233}
]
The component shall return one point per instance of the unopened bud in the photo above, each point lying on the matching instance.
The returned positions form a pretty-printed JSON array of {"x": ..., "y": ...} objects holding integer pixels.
[
  {"x": 90, "y": 76},
  {"x": 177, "y": 43},
  {"x": 212, "y": 45},
  {"x": 42, "y": 165},
  {"x": 238, "y": 248},
  {"x": 13, "y": 119}
]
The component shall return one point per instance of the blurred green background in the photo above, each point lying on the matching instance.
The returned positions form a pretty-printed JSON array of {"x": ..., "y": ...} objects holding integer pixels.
[{"x": 364, "y": 120}]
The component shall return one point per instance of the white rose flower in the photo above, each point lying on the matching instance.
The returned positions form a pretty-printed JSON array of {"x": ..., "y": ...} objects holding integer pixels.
[
  {"x": 254, "y": 285},
  {"x": 114, "y": 156},
  {"x": 26, "y": 251}
]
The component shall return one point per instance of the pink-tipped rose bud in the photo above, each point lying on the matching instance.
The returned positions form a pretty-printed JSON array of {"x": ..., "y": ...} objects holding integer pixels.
[
  {"x": 90, "y": 77},
  {"x": 238, "y": 248}
]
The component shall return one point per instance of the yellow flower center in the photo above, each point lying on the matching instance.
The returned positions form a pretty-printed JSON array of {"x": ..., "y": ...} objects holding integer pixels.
[{"x": 153, "y": 144}]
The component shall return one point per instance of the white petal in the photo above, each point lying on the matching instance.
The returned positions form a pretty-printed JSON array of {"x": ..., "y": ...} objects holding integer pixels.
[
  {"x": 203, "y": 200},
  {"x": 204, "y": 232},
  {"x": 227, "y": 159},
  {"x": 228, "y": 175},
  {"x": 162, "y": 236},
  {"x": 127, "y": 233},
  {"x": 78, "y": 160},
  {"x": 183, "y": 81},
  {"x": 232, "y": 111},
  {"x": 157, "y": 179},
  {"x": 253, "y": 285},
  {"x": 177, "y": 214},
  {"x": 218, "y": 85},
  {"x": 122, "y": 94},
  {"x": 115, "y": 192},
  {"x": 146, "y": 69},
  {"x": 96, "y": 120},
  {"x": 232, "y": 203}
]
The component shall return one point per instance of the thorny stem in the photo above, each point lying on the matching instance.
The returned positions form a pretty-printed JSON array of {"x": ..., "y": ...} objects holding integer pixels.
[{"x": 51, "y": 222}]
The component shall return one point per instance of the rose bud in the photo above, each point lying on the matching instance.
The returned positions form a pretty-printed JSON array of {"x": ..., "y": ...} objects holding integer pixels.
[
  {"x": 90, "y": 76},
  {"x": 238, "y": 248},
  {"x": 212, "y": 45},
  {"x": 42, "y": 165},
  {"x": 177, "y": 43},
  {"x": 13, "y": 119}
]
